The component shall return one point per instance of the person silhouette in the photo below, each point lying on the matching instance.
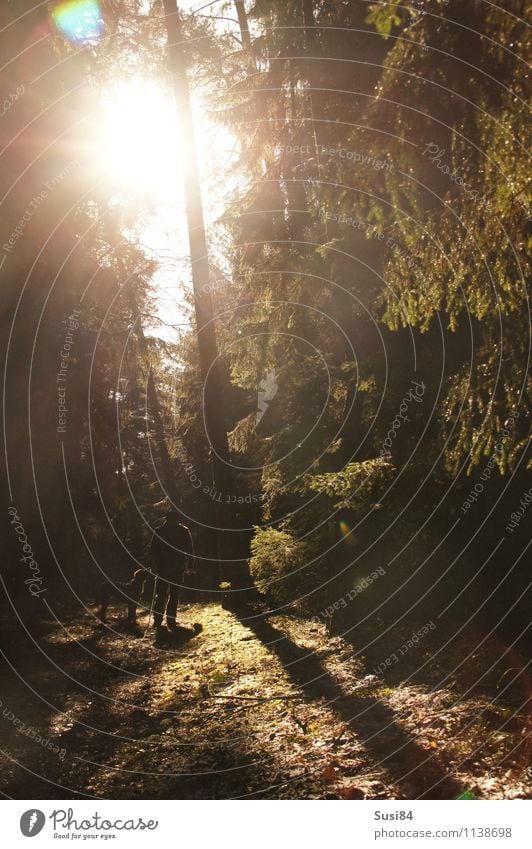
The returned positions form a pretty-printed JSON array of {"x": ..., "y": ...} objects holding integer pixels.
[{"x": 172, "y": 555}]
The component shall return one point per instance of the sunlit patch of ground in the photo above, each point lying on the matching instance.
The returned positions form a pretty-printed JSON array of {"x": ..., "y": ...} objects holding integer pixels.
[{"x": 273, "y": 708}]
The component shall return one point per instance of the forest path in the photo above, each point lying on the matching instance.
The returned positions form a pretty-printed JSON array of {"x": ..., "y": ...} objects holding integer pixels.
[{"x": 254, "y": 707}]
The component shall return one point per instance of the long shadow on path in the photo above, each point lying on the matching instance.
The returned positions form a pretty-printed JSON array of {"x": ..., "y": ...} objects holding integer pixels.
[{"x": 373, "y": 722}]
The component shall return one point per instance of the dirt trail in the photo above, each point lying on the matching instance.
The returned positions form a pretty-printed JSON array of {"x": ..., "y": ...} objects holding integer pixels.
[{"x": 260, "y": 708}]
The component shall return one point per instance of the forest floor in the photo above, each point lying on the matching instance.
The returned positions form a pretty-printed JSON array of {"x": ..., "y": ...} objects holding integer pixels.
[{"x": 259, "y": 707}]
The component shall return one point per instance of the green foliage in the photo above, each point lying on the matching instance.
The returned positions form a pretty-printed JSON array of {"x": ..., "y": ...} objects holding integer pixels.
[
  {"x": 384, "y": 17},
  {"x": 279, "y": 565},
  {"x": 355, "y": 484}
]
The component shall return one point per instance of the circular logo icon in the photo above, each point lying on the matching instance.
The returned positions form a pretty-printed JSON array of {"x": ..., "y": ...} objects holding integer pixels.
[{"x": 32, "y": 822}]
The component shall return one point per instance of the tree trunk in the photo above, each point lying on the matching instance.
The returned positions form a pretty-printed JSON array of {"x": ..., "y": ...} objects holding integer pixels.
[
  {"x": 243, "y": 23},
  {"x": 213, "y": 399},
  {"x": 208, "y": 350}
]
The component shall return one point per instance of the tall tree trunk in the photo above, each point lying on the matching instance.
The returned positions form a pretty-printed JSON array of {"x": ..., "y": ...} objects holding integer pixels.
[
  {"x": 310, "y": 69},
  {"x": 243, "y": 24},
  {"x": 208, "y": 350},
  {"x": 245, "y": 39},
  {"x": 213, "y": 399}
]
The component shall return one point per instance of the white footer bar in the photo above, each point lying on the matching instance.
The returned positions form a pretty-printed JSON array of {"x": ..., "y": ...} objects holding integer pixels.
[{"x": 267, "y": 824}]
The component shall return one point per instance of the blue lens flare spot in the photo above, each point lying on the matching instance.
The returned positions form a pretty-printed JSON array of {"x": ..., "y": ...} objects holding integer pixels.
[{"x": 79, "y": 21}]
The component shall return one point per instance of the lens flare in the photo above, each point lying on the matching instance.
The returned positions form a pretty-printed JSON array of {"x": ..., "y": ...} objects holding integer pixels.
[
  {"x": 346, "y": 532},
  {"x": 79, "y": 21}
]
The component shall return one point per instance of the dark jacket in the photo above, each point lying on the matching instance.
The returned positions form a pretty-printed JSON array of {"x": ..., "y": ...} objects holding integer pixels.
[{"x": 171, "y": 549}]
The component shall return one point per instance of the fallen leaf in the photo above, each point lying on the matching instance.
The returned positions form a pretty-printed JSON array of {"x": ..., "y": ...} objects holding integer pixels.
[
  {"x": 329, "y": 774},
  {"x": 351, "y": 791}
]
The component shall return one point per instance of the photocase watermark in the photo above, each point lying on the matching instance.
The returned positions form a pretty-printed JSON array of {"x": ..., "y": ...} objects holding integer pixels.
[
  {"x": 487, "y": 471},
  {"x": 32, "y": 733},
  {"x": 415, "y": 394},
  {"x": 10, "y": 100},
  {"x": 518, "y": 514},
  {"x": 34, "y": 582},
  {"x": 414, "y": 640},
  {"x": 32, "y": 822},
  {"x": 400, "y": 252},
  {"x": 197, "y": 483},
  {"x": 66, "y": 825},
  {"x": 219, "y": 285},
  {"x": 363, "y": 159},
  {"x": 35, "y": 203},
  {"x": 268, "y": 389},
  {"x": 342, "y": 602},
  {"x": 61, "y": 376},
  {"x": 65, "y": 820},
  {"x": 371, "y": 232},
  {"x": 435, "y": 155}
]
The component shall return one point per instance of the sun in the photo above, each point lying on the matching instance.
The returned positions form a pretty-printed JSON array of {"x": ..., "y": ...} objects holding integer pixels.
[{"x": 140, "y": 143}]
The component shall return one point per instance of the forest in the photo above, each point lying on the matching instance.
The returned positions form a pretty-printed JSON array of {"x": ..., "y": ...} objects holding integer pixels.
[{"x": 265, "y": 340}]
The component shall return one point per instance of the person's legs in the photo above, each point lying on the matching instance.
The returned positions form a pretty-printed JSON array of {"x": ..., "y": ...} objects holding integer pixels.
[
  {"x": 159, "y": 603},
  {"x": 171, "y": 608},
  {"x": 137, "y": 587}
]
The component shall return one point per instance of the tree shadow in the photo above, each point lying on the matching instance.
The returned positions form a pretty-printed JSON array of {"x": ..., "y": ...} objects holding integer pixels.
[{"x": 373, "y": 722}]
